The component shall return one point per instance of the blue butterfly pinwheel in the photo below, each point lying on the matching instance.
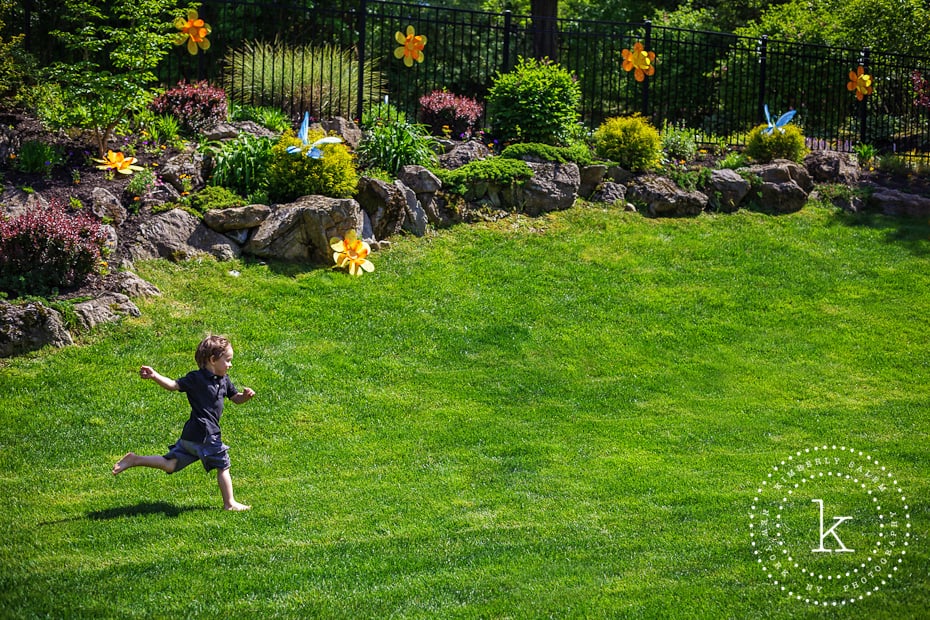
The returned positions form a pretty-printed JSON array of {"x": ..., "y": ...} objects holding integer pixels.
[
  {"x": 314, "y": 151},
  {"x": 783, "y": 120}
]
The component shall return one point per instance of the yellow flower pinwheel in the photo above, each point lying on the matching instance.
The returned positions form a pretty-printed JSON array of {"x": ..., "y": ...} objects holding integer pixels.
[
  {"x": 639, "y": 61},
  {"x": 351, "y": 253},
  {"x": 411, "y": 46},
  {"x": 118, "y": 162},
  {"x": 193, "y": 31},
  {"x": 861, "y": 82}
]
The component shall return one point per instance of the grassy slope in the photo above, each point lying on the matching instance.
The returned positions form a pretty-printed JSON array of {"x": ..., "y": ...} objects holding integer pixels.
[{"x": 565, "y": 416}]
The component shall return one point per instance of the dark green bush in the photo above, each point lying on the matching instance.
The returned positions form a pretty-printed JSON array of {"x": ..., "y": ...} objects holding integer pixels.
[
  {"x": 631, "y": 141},
  {"x": 783, "y": 143},
  {"x": 47, "y": 249},
  {"x": 291, "y": 176},
  {"x": 536, "y": 102}
]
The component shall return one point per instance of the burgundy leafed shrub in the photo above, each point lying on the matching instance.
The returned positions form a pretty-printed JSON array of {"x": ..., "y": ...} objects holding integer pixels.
[
  {"x": 458, "y": 114},
  {"x": 921, "y": 89},
  {"x": 47, "y": 249},
  {"x": 197, "y": 106}
]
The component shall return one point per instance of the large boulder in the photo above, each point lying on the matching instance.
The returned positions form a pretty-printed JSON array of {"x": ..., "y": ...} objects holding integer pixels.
[
  {"x": 726, "y": 190},
  {"x": 832, "y": 167},
  {"x": 184, "y": 171},
  {"x": 104, "y": 204},
  {"x": 15, "y": 202},
  {"x": 349, "y": 130},
  {"x": 385, "y": 204},
  {"x": 611, "y": 193},
  {"x": 131, "y": 285},
  {"x": 109, "y": 307},
  {"x": 553, "y": 187},
  {"x": 28, "y": 327},
  {"x": 421, "y": 180},
  {"x": 897, "y": 203},
  {"x": 300, "y": 231},
  {"x": 464, "y": 153},
  {"x": 236, "y": 218},
  {"x": 785, "y": 188},
  {"x": 178, "y": 235},
  {"x": 416, "y": 218},
  {"x": 591, "y": 178},
  {"x": 662, "y": 197}
]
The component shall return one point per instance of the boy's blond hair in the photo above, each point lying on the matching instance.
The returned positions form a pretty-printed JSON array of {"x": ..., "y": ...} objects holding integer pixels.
[{"x": 210, "y": 347}]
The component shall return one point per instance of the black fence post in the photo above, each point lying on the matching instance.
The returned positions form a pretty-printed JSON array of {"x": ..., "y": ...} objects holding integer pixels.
[
  {"x": 863, "y": 105},
  {"x": 362, "y": 23},
  {"x": 763, "y": 61},
  {"x": 508, "y": 25},
  {"x": 647, "y": 45}
]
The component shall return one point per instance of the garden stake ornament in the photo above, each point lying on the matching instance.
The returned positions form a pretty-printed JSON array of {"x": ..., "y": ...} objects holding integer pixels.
[
  {"x": 411, "y": 46},
  {"x": 861, "y": 82},
  {"x": 314, "y": 151},
  {"x": 118, "y": 162},
  {"x": 351, "y": 253},
  {"x": 641, "y": 62},
  {"x": 783, "y": 120},
  {"x": 193, "y": 31}
]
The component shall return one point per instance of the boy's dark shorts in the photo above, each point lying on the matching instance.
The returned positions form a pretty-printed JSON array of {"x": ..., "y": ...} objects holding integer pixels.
[{"x": 214, "y": 455}]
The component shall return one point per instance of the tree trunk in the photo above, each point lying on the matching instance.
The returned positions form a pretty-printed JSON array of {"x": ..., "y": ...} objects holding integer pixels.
[{"x": 545, "y": 31}]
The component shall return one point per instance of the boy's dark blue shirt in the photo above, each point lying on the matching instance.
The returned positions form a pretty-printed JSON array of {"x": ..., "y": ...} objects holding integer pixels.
[{"x": 205, "y": 393}]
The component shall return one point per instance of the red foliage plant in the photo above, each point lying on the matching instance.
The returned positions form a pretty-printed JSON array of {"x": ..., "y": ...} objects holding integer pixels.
[
  {"x": 921, "y": 89},
  {"x": 197, "y": 106},
  {"x": 47, "y": 249},
  {"x": 446, "y": 113}
]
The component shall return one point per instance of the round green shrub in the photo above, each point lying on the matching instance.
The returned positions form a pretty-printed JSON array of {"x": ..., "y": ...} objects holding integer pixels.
[
  {"x": 631, "y": 141},
  {"x": 291, "y": 176},
  {"x": 536, "y": 102},
  {"x": 783, "y": 143}
]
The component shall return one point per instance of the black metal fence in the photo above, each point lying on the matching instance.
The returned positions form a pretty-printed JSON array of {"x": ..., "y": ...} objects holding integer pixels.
[{"x": 339, "y": 61}]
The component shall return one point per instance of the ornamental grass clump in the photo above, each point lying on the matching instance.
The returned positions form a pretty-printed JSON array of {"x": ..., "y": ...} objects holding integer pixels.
[
  {"x": 536, "y": 102},
  {"x": 292, "y": 175},
  {"x": 48, "y": 249},
  {"x": 631, "y": 141}
]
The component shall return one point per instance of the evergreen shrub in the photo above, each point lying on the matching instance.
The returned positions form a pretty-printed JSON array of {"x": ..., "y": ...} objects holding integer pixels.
[
  {"x": 293, "y": 175},
  {"x": 783, "y": 143},
  {"x": 536, "y": 102},
  {"x": 631, "y": 141}
]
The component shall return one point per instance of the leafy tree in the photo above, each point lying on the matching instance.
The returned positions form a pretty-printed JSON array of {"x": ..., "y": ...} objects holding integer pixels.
[{"x": 116, "y": 46}]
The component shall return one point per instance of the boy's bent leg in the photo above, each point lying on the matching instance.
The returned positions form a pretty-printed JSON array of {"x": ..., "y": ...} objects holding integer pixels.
[
  {"x": 134, "y": 460},
  {"x": 225, "y": 481}
]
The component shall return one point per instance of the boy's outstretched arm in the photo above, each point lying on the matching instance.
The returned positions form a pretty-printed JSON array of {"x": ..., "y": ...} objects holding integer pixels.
[
  {"x": 245, "y": 395},
  {"x": 147, "y": 372}
]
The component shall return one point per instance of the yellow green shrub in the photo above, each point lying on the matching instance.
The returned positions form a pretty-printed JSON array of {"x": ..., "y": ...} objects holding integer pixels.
[
  {"x": 783, "y": 143},
  {"x": 631, "y": 141},
  {"x": 291, "y": 176}
]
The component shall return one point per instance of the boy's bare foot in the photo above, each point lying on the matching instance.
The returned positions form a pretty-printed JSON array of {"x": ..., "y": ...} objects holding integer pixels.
[
  {"x": 237, "y": 507},
  {"x": 125, "y": 463}
]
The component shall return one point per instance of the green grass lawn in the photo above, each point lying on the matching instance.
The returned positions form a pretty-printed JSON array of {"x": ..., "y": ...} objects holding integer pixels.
[{"x": 568, "y": 416}]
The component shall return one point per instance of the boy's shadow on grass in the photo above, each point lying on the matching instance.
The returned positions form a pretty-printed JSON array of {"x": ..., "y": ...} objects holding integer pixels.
[{"x": 142, "y": 509}]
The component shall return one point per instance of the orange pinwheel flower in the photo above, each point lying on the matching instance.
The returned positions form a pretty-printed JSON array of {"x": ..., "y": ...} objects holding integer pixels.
[
  {"x": 118, "y": 162},
  {"x": 861, "y": 82},
  {"x": 193, "y": 31},
  {"x": 411, "y": 46},
  {"x": 351, "y": 253},
  {"x": 639, "y": 61}
]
